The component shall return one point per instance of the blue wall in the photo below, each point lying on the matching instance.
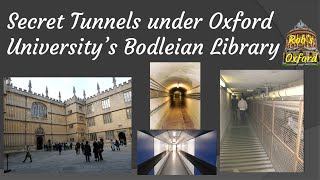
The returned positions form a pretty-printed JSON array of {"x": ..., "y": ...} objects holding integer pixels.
[
  {"x": 205, "y": 148},
  {"x": 145, "y": 148}
]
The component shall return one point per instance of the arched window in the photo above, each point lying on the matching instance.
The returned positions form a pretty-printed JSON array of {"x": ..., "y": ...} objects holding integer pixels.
[{"x": 39, "y": 110}]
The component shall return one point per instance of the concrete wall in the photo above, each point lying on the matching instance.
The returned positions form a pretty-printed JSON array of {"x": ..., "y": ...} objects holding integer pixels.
[
  {"x": 188, "y": 147},
  {"x": 225, "y": 111},
  {"x": 160, "y": 147},
  {"x": 157, "y": 117},
  {"x": 193, "y": 110},
  {"x": 193, "y": 106}
]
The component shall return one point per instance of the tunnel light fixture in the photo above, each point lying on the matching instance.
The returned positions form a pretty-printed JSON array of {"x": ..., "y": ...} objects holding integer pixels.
[
  {"x": 177, "y": 85},
  {"x": 174, "y": 140},
  {"x": 229, "y": 91},
  {"x": 174, "y": 133},
  {"x": 250, "y": 90},
  {"x": 222, "y": 83}
]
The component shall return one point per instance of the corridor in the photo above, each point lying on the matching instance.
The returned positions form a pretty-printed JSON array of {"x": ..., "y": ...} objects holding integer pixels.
[
  {"x": 175, "y": 95},
  {"x": 174, "y": 165},
  {"x": 269, "y": 138},
  {"x": 187, "y": 152}
]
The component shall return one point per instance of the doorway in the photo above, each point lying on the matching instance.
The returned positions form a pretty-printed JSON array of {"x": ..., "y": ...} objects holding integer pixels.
[
  {"x": 39, "y": 142},
  {"x": 122, "y": 138}
]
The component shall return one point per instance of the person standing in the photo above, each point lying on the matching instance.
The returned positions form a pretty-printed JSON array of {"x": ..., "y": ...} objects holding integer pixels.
[
  {"x": 77, "y": 148},
  {"x": 96, "y": 150},
  {"x": 117, "y": 145},
  {"x": 71, "y": 145},
  {"x": 234, "y": 103},
  {"x": 243, "y": 106},
  {"x": 28, "y": 155},
  {"x": 113, "y": 148},
  {"x": 60, "y": 148},
  {"x": 82, "y": 147},
  {"x": 87, "y": 151},
  {"x": 100, "y": 144}
]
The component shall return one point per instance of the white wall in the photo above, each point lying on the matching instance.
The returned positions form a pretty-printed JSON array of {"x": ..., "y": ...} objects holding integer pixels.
[
  {"x": 188, "y": 147},
  {"x": 155, "y": 119},
  {"x": 225, "y": 111},
  {"x": 193, "y": 108},
  {"x": 160, "y": 147}
]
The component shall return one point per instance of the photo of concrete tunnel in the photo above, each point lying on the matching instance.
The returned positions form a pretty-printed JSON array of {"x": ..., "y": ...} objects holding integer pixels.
[
  {"x": 175, "y": 152},
  {"x": 261, "y": 121},
  {"x": 174, "y": 95}
]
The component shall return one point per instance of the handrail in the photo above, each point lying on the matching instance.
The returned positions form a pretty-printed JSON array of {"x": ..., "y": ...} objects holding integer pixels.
[
  {"x": 145, "y": 167},
  {"x": 204, "y": 167}
]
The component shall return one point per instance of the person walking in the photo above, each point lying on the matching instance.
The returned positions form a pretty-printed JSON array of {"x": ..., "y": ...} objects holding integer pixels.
[
  {"x": 100, "y": 144},
  {"x": 28, "y": 155},
  {"x": 71, "y": 145},
  {"x": 113, "y": 148},
  {"x": 96, "y": 150},
  {"x": 87, "y": 151},
  {"x": 234, "y": 103},
  {"x": 60, "y": 148},
  {"x": 117, "y": 145},
  {"x": 243, "y": 106}
]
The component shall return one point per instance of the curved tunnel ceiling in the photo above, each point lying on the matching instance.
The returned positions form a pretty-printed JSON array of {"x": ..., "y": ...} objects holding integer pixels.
[
  {"x": 187, "y": 74},
  {"x": 241, "y": 80}
]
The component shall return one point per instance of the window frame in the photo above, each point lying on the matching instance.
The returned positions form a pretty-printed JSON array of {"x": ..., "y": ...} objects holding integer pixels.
[
  {"x": 107, "y": 120},
  {"x": 127, "y": 96},
  {"x": 105, "y": 105}
]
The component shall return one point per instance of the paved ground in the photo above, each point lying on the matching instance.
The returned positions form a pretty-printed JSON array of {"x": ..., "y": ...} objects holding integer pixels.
[{"x": 115, "y": 163}]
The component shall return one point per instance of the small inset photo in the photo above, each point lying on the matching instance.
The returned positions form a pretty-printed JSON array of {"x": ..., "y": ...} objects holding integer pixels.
[
  {"x": 176, "y": 152},
  {"x": 67, "y": 125},
  {"x": 261, "y": 121},
  {"x": 174, "y": 95}
]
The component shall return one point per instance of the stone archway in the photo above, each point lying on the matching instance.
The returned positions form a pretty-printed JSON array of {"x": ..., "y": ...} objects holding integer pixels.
[
  {"x": 39, "y": 138},
  {"x": 122, "y": 138}
]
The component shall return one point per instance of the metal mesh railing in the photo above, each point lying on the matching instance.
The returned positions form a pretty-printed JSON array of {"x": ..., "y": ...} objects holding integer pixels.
[{"x": 279, "y": 126}]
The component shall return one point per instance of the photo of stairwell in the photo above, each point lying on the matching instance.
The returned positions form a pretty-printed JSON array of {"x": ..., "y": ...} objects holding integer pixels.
[
  {"x": 174, "y": 95},
  {"x": 261, "y": 121}
]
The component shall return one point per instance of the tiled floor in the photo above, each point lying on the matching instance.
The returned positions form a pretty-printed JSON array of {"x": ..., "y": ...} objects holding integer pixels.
[
  {"x": 177, "y": 118},
  {"x": 174, "y": 165},
  {"x": 241, "y": 151}
]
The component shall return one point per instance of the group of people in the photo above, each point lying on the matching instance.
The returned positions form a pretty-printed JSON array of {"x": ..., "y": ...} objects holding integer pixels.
[
  {"x": 97, "y": 150},
  {"x": 85, "y": 148},
  {"x": 115, "y": 145},
  {"x": 57, "y": 146},
  {"x": 241, "y": 105}
]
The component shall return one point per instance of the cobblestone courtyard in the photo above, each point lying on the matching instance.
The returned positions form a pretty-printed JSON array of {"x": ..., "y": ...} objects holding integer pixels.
[{"x": 50, "y": 162}]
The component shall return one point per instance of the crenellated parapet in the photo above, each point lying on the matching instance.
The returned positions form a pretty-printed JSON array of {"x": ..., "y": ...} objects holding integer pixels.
[
  {"x": 124, "y": 86},
  {"x": 24, "y": 92},
  {"x": 74, "y": 99}
]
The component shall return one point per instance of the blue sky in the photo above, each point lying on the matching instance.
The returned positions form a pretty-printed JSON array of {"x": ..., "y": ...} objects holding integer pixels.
[{"x": 65, "y": 85}]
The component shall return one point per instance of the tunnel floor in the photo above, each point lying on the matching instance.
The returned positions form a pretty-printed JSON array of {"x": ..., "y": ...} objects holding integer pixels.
[
  {"x": 174, "y": 165},
  {"x": 177, "y": 118},
  {"x": 242, "y": 151}
]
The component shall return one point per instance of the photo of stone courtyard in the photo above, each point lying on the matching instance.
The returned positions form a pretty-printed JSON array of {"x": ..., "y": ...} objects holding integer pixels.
[{"x": 67, "y": 125}]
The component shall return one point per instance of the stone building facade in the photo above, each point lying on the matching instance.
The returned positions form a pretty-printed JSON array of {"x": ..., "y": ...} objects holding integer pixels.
[{"x": 35, "y": 119}]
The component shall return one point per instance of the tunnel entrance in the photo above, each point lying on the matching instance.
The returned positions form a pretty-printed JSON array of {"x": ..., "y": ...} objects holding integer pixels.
[{"x": 177, "y": 97}]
